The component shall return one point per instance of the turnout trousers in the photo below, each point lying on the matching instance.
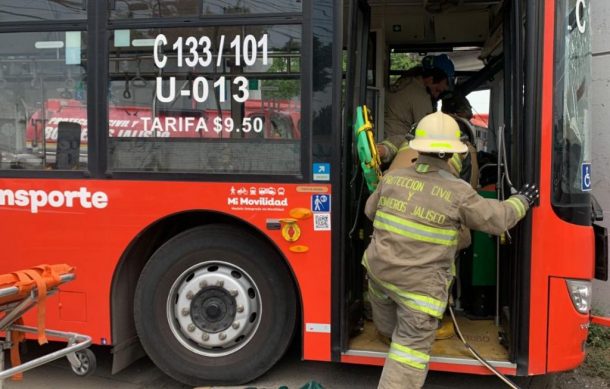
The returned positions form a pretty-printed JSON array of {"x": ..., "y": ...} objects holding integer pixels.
[{"x": 412, "y": 334}]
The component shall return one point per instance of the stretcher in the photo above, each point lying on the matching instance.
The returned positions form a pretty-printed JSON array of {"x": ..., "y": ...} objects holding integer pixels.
[
  {"x": 367, "y": 148},
  {"x": 21, "y": 291}
]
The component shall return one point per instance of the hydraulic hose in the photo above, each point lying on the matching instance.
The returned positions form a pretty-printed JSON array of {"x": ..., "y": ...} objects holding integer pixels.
[
  {"x": 358, "y": 209},
  {"x": 502, "y": 159},
  {"x": 477, "y": 355}
]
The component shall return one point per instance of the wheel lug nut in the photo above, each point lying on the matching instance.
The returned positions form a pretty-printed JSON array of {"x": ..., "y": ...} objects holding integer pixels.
[
  {"x": 240, "y": 308},
  {"x": 233, "y": 292},
  {"x": 185, "y": 312},
  {"x": 222, "y": 336},
  {"x": 235, "y": 325},
  {"x": 220, "y": 283},
  {"x": 191, "y": 327},
  {"x": 203, "y": 284},
  {"x": 189, "y": 295},
  {"x": 205, "y": 337}
]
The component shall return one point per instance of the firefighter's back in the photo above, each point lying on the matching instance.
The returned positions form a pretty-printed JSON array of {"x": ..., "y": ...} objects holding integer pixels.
[{"x": 416, "y": 220}]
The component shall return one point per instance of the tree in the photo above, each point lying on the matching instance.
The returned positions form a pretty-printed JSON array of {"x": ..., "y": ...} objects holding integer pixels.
[
  {"x": 403, "y": 61},
  {"x": 282, "y": 89}
]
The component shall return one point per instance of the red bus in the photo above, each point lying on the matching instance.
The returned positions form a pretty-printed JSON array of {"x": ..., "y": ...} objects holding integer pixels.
[{"x": 233, "y": 221}]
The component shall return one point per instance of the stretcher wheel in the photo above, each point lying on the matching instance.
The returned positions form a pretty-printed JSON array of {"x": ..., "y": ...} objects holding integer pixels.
[{"x": 87, "y": 363}]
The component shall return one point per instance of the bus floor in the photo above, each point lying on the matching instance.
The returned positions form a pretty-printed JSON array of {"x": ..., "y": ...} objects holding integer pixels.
[{"x": 482, "y": 335}]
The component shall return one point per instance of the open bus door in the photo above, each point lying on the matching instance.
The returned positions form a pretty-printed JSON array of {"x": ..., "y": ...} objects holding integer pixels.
[
  {"x": 516, "y": 326},
  {"x": 499, "y": 331}
]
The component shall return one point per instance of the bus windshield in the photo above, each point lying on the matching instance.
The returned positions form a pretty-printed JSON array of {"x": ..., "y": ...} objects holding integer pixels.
[{"x": 572, "y": 114}]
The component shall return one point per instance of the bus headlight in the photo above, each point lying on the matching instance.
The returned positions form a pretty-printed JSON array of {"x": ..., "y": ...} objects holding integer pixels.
[{"x": 580, "y": 292}]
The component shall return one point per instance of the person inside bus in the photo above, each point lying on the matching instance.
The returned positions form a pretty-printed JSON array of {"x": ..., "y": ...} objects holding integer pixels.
[
  {"x": 413, "y": 96},
  {"x": 417, "y": 212},
  {"x": 457, "y": 105}
]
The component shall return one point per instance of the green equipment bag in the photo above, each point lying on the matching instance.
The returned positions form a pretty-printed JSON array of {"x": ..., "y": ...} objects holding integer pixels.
[{"x": 367, "y": 148}]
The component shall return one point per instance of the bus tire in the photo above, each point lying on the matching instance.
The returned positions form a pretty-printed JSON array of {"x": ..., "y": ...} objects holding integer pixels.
[
  {"x": 215, "y": 305},
  {"x": 544, "y": 381}
]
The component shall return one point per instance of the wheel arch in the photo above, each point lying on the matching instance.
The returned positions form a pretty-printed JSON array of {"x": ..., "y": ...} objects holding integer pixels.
[{"x": 126, "y": 347}]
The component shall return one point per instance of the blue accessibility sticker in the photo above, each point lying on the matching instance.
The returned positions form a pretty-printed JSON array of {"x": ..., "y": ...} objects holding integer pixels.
[
  {"x": 321, "y": 171},
  {"x": 585, "y": 181},
  {"x": 320, "y": 203}
]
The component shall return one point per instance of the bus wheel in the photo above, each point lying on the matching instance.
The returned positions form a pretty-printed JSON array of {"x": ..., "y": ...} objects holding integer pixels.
[
  {"x": 545, "y": 381},
  {"x": 215, "y": 305}
]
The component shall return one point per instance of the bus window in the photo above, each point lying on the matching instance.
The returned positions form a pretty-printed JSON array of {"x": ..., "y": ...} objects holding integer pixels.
[
  {"x": 399, "y": 64},
  {"x": 480, "y": 120},
  {"x": 36, "y": 10},
  {"x": 572, "y": 114},
  {"x": 180, "y": 99},
  {"x": 135, "y": 9},
  {"x": 42, "y": 83},
  {"x": 282, "y": 126}
]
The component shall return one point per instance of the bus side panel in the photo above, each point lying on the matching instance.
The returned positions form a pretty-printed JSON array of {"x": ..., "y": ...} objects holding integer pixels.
[
  {"x": 567, "y": 329},
  {"x": 94, "y": 238}
]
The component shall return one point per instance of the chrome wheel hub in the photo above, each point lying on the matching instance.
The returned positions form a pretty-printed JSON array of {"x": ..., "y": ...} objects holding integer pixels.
[{"x": 214, "y": 308}]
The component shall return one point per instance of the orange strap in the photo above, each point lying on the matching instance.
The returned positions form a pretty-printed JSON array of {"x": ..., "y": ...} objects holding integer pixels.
[
  {"x": 16, "y": 338},
  {"x": 44, "y": 277},
  {"x": 41, "y": 285}
]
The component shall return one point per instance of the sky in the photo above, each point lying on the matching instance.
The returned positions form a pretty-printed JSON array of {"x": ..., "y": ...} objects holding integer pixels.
[{"x": 479, "y": 101}]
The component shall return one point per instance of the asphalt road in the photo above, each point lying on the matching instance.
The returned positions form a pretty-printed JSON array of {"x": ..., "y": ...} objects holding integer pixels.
[{"x": 290, "y": 372}]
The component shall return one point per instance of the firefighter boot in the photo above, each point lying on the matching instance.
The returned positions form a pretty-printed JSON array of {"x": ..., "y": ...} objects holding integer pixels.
[
  {"x": 446, "y": 330},
  {"x": 384, "y": 338}
]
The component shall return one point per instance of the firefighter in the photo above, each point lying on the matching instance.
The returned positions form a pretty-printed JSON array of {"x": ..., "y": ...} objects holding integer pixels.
[
  {"x": 464, "y": 166},
  {"x": 411, "y": 98},
  {"x": 417, "y": 212}
]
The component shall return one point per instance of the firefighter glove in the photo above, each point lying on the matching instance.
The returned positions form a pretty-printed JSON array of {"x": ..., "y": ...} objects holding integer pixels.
[{"x": 530, "y": 192}]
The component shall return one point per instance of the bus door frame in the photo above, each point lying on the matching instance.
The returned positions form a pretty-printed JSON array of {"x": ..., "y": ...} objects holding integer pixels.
[{"x": 350, "y": 292}]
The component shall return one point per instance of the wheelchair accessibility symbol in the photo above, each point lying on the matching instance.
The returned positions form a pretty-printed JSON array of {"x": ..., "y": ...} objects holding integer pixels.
[{"x": 585, "y": 184}]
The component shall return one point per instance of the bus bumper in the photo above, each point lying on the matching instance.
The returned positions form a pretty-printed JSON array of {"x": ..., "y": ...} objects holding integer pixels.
[{"x": 600, "y": 320}]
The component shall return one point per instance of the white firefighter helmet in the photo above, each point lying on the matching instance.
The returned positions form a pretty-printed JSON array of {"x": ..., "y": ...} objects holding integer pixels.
[{"x": 438, "y": 133}]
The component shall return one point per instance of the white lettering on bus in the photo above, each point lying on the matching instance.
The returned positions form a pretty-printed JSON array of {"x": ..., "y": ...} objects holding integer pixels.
[
  {"x": 160, "y": 61},
  {"x": 36, "y": 199},
  {"x": 172, "y": 90},
  {"x": 173, "y": 124}
]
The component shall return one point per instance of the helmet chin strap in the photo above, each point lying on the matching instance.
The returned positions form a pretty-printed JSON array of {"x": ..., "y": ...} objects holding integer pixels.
[{"x": 441, "y": 155}]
